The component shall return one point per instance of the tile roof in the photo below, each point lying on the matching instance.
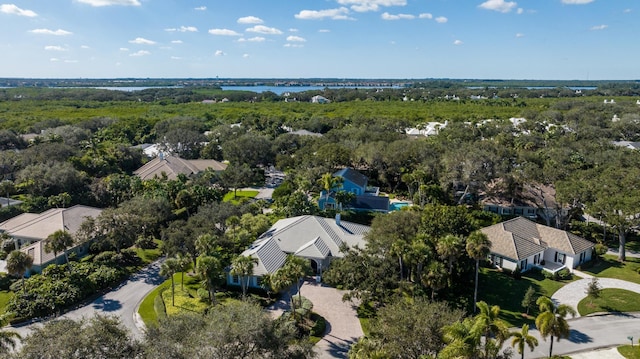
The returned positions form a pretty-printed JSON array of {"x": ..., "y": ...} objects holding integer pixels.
[
  {"x": 37, "y": 227},
  {"x": 519, "y": 238},
  {"x": 172, "y": 166}
]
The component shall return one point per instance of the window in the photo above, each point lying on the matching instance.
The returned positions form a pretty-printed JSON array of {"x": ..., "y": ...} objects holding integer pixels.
[
  {"x": 235, "y": 279},
  {"x": 259, "y": 281}
]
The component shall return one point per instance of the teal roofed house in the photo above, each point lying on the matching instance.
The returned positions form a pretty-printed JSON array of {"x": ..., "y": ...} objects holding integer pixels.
[{"x": 367, "y": 198}]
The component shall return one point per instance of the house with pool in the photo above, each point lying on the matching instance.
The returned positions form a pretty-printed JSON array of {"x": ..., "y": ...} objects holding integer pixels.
[{"x": 366, "y": 198}]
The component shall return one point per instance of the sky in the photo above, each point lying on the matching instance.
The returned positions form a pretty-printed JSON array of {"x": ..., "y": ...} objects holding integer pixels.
[{"x": 364, "y": 39}]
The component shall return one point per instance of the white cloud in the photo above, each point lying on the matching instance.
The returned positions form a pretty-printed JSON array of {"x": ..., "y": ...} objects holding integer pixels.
[
  {"x": 223, "y": 32},
  {"x": 387, "y": 16},
  {"x": 576, "y": 2},
  {"x": 371, "y": 5},
  {"x": 519, "y": 35},
  {"x": 261, "y": 29},
  {"x": 293, "y": 30},
  {"x": 599, "y": 27},
  {"x": 252, "y": 39},
  {"x": 498, "y": 5},
  {"x": 58, "y": 32},
  {"x": 140, "y": 53},
  {"x": 324, "y": 30},
  {"x": 250, "y": 20},
  {"x": 175, "y": 58},
  {"x": 458, "y": 42},
  {"x": 296, "y": 39},
  {"x": 626, "y": 11},
  {"x": 142, "y": 41},
  {"x": 425, "y": 15},
  {"x": 14, "y": 10},
  {"x": 99, "y": 3},
  {"x": 334, "y": 14},
  {"x": 245, "y": 56},
  {"x": 124, "y": 49},
  {"x": 176, "y": 41},
  {"x": 54, "y": 48},
  {"x": 441, "y": 19},
  {"x": 288, "y": 44},
  {"x": 182, "y": 29},
  {"x": 84, "y": 47},
  {"x": 54, "y": 59},
  {"x": 520, "y": 11},
  {"x": 220, "y": 53},
  {"x": 200, "y": 8}
]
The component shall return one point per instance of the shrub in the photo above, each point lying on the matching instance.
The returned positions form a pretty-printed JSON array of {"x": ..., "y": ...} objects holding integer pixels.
[
  {"x": 108, "y": 257},
  {"x": 145, "y": 242},
  {"x": 548, "y": 275},
  {"x": 564, "y": 274},
  {"x": 319, "y": 326}
]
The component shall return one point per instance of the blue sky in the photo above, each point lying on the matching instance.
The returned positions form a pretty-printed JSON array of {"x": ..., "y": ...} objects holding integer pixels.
[{"x": 494, "y": 39}]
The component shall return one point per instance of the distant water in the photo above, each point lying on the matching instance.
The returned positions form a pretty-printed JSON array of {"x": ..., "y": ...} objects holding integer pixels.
[{"x": 279, "y": 90}]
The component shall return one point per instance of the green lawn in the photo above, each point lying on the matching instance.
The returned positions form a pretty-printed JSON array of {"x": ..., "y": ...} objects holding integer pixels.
[
  {"x": 611, "y": 300},
  {"x": 150, "y": 255},
  {"x": 5, "y": 296},
  {"x": 185, "y": 300},
  {"x": 239, "y": 196},
  {"x": 630, "y": 352},
  {"x": 497, "y": 288},
  {"x": 610, "y": 267}
]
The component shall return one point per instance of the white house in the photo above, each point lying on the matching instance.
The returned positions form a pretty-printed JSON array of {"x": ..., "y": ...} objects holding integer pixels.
[
  {"x": 317, "y": 239},
  {"x": 523, "y": 244},
  {"x": 29, "y": 230},
  {"x": 319, "y": 99}
]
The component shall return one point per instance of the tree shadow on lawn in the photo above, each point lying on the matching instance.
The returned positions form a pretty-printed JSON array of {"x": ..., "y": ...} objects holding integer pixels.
[
  {"x": 497, "y": 288},
  {"x": 603, "y": 264}
]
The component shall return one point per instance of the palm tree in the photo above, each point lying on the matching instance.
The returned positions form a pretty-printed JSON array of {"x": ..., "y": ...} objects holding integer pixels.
[
  {"x": 435, "y": 277},
  {"x": 184, "y": 262},
  {"x": 6, "y": 188},
  {"x": 18, "y": 263},
  {"x": 522, "y": 338},
  {"x": 399, "y": 248},
  {"x": 297, "y": 268},
  {"x": 463, "y": 340},
  {"x": 57, "y": 242},
  {"x": 168, "y": 268},
  {"x": 488, "y": 323},
  {"x": 209, "y": 270},
  {"x": 551, "y": 320},
  {"x": 478, "y": 247},
  {"x": 242, "y": 266},
  {"x": 449, "y": 248},
  {"x": 328, "y": 182}
]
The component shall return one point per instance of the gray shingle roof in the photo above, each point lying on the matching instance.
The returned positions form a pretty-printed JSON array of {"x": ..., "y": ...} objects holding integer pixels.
[{"x": 519, "y": 238}]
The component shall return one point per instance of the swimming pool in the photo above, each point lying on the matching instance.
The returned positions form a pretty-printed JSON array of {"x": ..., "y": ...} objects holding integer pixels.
[{"x": 396, "y": 206}]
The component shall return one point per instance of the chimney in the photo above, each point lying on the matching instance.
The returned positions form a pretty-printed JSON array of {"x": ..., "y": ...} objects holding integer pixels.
[
  {"x": 161, "y": 155},
  {"x": 338, "y": 219}
]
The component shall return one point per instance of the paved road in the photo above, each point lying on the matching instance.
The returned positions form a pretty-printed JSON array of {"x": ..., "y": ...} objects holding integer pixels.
[
  {"x": 574, "y": 292},
  {"x": 590, "y": 333},
  {"x": 343, "y": 325},
  {"x": 121, "y": 302}
]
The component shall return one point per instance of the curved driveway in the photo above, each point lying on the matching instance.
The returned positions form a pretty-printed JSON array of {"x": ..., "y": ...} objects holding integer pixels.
[
  {"x": 343, "y": 325},
  {"x": 574, "y": 292},
  {"x": 121, "y": 302}
]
